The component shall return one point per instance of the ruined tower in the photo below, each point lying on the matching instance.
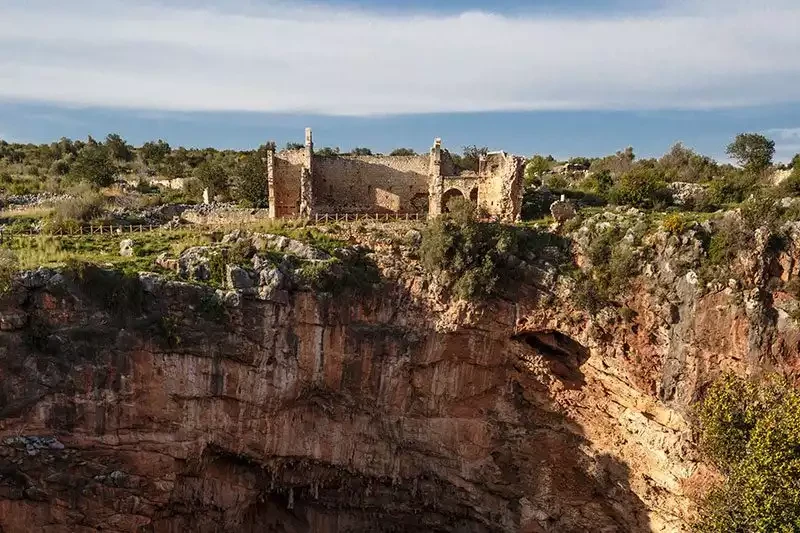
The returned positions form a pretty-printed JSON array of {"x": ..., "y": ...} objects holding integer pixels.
[
  {"x": 270, "y": 164},
  {"x": 436, "y": 184},
  {"x": 306, "y": 178}
]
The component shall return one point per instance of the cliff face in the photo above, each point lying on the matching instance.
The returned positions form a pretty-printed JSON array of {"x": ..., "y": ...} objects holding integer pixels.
[{"x": 141, "y": 406}]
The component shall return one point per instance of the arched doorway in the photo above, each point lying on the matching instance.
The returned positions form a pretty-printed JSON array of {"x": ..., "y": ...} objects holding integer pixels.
[
  {"x": 473, "y": 196},
  {"x": 449, "y": 196}
]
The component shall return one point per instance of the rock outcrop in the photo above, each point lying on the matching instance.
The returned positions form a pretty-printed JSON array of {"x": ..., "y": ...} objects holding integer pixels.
[{"x": 146, "y": 405}]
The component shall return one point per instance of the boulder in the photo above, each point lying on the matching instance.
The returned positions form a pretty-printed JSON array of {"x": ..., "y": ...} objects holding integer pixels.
[
  {"x": 562, "y": 211},
  {"x": 237, "y": 278},
  {"x": 194, "y": 263},
  {"x": 272, "y": 278},
  {"x": 36, "y": 279},
  {"x": 126, "y": 248},
  {"x": 683, "y": 193},
  {"x": 289, "y": 246},
  {"x": 305, "y": 251}
]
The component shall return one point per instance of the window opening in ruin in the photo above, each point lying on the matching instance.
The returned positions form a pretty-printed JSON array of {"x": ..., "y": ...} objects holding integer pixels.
[
  {"x": 473, "y": 196},
  {"x": 448, "y": 197}
]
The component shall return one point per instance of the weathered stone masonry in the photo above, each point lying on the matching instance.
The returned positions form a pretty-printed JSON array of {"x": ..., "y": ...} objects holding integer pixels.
[{"x": 303, "y": 184}]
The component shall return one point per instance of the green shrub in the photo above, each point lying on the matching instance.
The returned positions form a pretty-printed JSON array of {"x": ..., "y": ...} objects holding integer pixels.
[
  {"x": 751, "y": 432},
  {"x": 476, "y": 260},
  {"x": 598, "y": 183},
  {"x": 614, "y": 264},
  {"x": 9, "y": 266},
  {"x": 68, "y": 215},
  {"x": 674, "y": 224},
  {"x": 732, "y": 187},
  {"x": 641, "y": 187},
  {"x": 349, "y": 271},
  {"x": 791, "y": 185},
  {"x": 556, "y": 182}
]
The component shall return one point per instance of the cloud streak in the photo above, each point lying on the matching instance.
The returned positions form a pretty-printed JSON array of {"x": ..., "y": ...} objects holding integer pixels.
[{"x": 310, "y": 58}]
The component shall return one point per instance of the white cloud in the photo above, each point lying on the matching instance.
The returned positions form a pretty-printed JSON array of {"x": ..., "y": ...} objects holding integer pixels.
[
  {"x": 785, "y": 134},
  {"x": 313, "y": 58}
]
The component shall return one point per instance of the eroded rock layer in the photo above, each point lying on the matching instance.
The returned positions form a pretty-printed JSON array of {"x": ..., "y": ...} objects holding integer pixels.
[{"x": 143, "y": 406}]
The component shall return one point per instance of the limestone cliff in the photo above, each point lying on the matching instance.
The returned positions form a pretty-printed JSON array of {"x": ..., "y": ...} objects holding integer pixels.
[{"x": 139, "y": 406}]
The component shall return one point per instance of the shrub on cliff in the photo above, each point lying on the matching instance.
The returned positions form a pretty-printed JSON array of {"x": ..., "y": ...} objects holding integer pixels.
[
  {"x": 477, "y": 260},
  {"x": 751, "y": 432},
  {"x": 9, "y": 265}
]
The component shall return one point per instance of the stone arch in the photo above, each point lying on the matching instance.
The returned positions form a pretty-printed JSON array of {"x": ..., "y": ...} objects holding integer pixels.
[
  {"x": 448, "y": 196},
  {"x": 473, "y": 196}
]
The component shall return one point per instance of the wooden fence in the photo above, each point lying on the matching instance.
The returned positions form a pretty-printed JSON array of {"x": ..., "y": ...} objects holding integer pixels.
[
  {"x": 100, "y": 229},
  {"x": 119, "y": 229},
  {"x": 325, "y": 218}
]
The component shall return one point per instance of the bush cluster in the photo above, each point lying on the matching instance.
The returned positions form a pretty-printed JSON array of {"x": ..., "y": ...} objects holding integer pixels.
[
  {"x": 751, "y": 432},
  {"x": 477, "y": 260}
]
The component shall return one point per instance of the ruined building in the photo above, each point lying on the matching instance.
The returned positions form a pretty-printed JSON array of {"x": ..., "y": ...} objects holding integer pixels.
[{"x": 302, "y": 183}]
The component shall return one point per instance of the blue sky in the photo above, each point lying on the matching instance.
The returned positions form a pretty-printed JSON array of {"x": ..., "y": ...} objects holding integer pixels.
[{"x": 568, "y": 77}]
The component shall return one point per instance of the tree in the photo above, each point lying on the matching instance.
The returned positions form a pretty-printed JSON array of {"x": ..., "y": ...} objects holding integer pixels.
[
  {"x": 174, "y": 168},
  {"x": 617, "y": 164},
  {"x": 251, "y": 181},
  {"x": 94, "y": 165},
  {"x": 535, "y": 168},
  {"x": 154, "y": 152},
  {"x": 752, "y": 151},
  {"x": 402, "y": 152},
  {"x": 328, "y": 152},
  {"x": 295, "y": 146},
  {"x": 361, "y": 151},
  {"x": 469, "y": 158},
  {"x": 212, "y": 176},
  {"x": 580, "y": 162},
  {"x": 684, "y": 164},
  {"x": 119, "y": 149}
]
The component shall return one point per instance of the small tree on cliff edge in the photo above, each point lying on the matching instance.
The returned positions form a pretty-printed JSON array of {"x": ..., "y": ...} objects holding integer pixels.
[{"x": 753, "y": 151}]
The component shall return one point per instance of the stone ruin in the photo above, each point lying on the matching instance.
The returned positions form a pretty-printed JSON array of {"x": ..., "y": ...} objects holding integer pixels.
[{"x": 303, "y": 184}]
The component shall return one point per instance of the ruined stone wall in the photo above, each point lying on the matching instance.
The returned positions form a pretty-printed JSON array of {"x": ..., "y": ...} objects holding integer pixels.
[
  {"x": 371, "y": 184},
  {"x": 288, "y": 168},
  {"x": 500, "y": 191}
]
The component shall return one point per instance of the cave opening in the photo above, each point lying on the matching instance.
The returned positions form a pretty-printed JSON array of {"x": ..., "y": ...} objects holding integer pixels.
[{"x": 564, "y": 355}]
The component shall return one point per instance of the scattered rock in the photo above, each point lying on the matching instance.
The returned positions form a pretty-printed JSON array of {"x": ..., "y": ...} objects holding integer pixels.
[
  {"x": 126, "y": 248},
  {"x": 194, "y": 263},
  {"x": 34, "y": 445},
  {"x": 684, "y": 193},
  {"x": 36, "y": 279},
  {"x": 413, "y": 238}
]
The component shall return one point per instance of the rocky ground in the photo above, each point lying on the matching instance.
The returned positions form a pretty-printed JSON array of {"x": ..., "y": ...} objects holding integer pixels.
[{"x": 266, "y": 404}]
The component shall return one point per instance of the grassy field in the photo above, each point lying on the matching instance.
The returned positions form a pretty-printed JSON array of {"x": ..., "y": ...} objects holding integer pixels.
[{"x": 47, "y": 250}]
